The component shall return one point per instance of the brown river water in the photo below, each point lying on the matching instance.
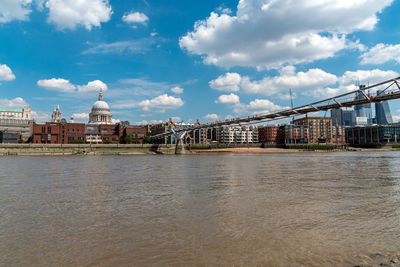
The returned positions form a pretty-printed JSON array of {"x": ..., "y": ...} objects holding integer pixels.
[{"x": 301, "y": 209}]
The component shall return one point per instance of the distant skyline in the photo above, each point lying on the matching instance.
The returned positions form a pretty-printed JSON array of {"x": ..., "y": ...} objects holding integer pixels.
[{"x": 191, "y": 60}]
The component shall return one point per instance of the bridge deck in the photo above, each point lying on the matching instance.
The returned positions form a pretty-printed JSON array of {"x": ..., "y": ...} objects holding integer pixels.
[{"x": 323, "y": 105}]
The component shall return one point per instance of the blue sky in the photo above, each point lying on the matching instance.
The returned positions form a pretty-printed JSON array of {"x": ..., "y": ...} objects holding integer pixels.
[{"x": 191, "y": 59}]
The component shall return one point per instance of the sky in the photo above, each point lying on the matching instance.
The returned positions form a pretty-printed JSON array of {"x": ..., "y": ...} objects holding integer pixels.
[{"x": 189, "y": 60}]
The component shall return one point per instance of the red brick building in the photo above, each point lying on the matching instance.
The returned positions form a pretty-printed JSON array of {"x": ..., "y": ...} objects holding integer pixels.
[
  {"x": 58, "y": 133},
  {"x": 271, "y": 135},
  {"x": 138, "y": 134}
]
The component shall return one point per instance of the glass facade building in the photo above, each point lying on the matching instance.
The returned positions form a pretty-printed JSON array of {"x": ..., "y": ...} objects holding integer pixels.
[{"x": 382, "y": 110}]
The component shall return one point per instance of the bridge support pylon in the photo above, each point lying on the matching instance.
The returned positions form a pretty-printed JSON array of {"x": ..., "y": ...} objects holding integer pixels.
[{"x": 180, "y": 147}]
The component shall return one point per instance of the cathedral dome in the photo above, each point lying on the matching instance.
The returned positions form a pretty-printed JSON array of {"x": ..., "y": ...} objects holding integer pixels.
[
  {"x": 100, "y": 105},
  {"x": 100, "y": 112}
]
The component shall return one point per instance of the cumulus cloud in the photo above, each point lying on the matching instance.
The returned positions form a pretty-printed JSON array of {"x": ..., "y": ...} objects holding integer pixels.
[
  {"x": 40, "y": 116},
  {"x": 54, "y": 84},
  {"x": 17, "y": 102},
  {"x": 212, "y": 117},
  {"x": 269, "y": 33},
  {"x": 228, "y": 83},
  {"x": 162, "y": 102},
  {"x": 381, "y": 53},
  {"x": 288, "y": 79},
  {"x": 349, "y": 80},
  {"x": 63, "y": 85},
  {"x": 14, "y": 10},
  {"x": 176, "y": 119},
  {"x": 80, "y": 117},
  {"x": 68, "y": 14},
  {"x": 6, "y": 73},
  {"x": 228, "y": 99},
  {"x": 93, "y": 86},
  {"x": 177, "y": 90},
  {"x": 144, "y": 122},
  {"x": 258, "y": 106},
  {"x": 135, "y": 17}
]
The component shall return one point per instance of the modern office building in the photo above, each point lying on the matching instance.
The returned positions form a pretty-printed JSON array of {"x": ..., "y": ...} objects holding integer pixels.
[
  {"x": 9, "y": 138},
  {"x": 17, "y": 120},
  {"x": 343, "y": 117},
  {"x": 382, "y": 111},
  {"x": 375, "y": 135}
]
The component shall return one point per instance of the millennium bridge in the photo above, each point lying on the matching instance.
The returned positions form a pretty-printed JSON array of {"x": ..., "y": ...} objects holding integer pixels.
[{"x": 383, "y": 91}]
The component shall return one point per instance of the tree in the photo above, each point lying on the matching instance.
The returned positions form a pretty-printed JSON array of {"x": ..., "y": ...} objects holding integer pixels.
[
  {"x": 147, "y": 139},
  {"x": 108, "y": 141},
  {"x": 128, "y": 139},
  {"x": 79, "y": 141}
]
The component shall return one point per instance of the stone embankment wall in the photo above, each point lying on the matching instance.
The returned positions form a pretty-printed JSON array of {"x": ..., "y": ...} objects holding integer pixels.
[{"x": 83, "y": 149}]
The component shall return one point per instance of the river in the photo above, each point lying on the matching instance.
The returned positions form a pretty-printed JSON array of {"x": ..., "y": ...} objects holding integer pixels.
[{"x": 300, "y": 209}]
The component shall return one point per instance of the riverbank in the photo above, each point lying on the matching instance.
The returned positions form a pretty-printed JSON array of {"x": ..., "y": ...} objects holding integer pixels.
[
  {"x": 83, "y": 149},
  {"x": 139, "y": 149}
]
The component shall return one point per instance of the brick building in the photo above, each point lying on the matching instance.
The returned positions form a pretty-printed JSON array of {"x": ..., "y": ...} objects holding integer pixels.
[
  {"x": 296, "y": 134},
  {"x": 321, "y": 130},
  {"x": 271, "y": 135},
  {"x": 58, "y": 133},
  {"x": 138, "y": 133}
]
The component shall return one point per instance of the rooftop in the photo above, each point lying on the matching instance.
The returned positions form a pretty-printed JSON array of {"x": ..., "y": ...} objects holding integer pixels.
[{"x": 11, "y": 110}]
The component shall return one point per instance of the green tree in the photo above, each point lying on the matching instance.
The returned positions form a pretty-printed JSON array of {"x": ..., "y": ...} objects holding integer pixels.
[
  {"x": 79, "y": 141},
  {"x": 128, "y": 139},
  {"x": 147, "y": 139},
  {"x": 108, "y": 141}
]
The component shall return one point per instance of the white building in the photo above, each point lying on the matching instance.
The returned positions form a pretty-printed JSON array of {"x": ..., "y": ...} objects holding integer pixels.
[
  {"x": 16, "y": 121},
  {"x": 238, "y": 134}
]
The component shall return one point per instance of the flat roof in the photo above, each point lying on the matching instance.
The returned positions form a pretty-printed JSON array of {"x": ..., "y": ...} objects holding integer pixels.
[{"x": 11, "y": 110}]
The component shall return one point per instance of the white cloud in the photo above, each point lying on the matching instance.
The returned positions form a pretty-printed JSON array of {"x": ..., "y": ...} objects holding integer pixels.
[
  {"x": 54, "y": 84},
  {"x": 162, "y": 102},
  {"x": 93, "y": 86},
  {"x": 212, "y": 117},
  {"x": 228, "y": 83},
  {"x": 288, "y": 79},
  {"x": 40, "y": 116},
  {"x": 349, "y": 80},
  {"x": 14, "y": 10},
  {"x": 258, "y": 106},
  {"x": 6, "y": 73},
  {"x": 177, "y": 90},
  {"x": 381, "y": 53},
  {"x": 130, "y": 47},
  {"x": 228, "y": 99},
  {"x": 68, "y": 14},
  {"x": 115, "y": 121},
  {"x": 176, "y": 119},
  {"x": 135, "y": 17},
  {"x": 144, "y": 122},
  {"x": 396, "y": 118},
  {"x": 270, "y": 33},
  {"x": 80, "y": 117},
  {"x": 17, "y": 102}
]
